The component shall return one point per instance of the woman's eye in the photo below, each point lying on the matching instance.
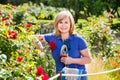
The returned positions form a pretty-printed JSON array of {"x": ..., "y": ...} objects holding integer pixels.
[
  {"x": 66, "y": 22},
  {"x": 60, "y": 22}
]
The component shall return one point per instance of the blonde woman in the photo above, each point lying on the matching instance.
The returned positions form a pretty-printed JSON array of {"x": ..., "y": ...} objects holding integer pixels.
[{"x": 77, "y": 50}]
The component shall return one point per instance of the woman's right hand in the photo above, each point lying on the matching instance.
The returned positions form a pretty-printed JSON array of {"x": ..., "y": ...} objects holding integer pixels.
[
  {"x": 67, "y": 60},
  {"x": 40, "y": 46},
  {"x": 41, "y": 38},
  {"x": 39, "y": 42}
]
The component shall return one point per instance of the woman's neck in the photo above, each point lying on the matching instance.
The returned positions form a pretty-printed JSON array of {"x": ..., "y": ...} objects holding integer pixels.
[{"x": 65, "y": 36}]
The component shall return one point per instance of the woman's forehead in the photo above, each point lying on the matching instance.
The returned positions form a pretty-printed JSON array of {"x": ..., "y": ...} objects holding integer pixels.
[{"x": 65, "y": 18}]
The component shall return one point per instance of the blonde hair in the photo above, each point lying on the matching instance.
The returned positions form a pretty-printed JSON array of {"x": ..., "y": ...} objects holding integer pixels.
[{"x": 61, "y": 16}]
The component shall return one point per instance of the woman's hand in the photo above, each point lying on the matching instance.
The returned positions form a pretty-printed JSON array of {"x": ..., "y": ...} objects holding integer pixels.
[
  {"x": 66, "y": 60},
  {"x": 41, "y": 38},
  {"x": 85, "y": 59},
  {"x": 40, "y": 41}
]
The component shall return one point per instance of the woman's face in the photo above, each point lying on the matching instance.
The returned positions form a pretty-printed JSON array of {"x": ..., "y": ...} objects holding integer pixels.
[{"x": 64, "y": 25}]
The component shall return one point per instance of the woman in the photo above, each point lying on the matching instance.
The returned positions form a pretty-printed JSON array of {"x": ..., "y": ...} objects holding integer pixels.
[{"x": 78, "y": 53}]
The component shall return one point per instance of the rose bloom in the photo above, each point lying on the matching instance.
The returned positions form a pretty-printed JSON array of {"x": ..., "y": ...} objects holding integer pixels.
[
  {"x": 0, "y": 13},
  {"x": 39, "y": 71},
  {"x": 14, "y": 7},
  {"x": 7, "y": 23},
  {"x": 3, "y": 19},
  {"x": 20, "y": 59},
  {"x": 12, "y": 34},
  {"x": 52, "y": 45},
  {"x": 45, "y": 77},
  {"x": 30, "y": 69},
  {"x": 28, "y": 25}
]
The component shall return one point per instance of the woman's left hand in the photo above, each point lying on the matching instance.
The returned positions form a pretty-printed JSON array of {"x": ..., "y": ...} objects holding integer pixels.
[{"x": 66, "y": 60}]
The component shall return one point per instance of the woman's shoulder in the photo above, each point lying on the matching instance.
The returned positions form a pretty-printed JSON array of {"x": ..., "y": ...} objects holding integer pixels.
[
  {"x": 78, "y": 36},
  {"x": 49, "y": 35},
  {"x": 80, "y": 39}
]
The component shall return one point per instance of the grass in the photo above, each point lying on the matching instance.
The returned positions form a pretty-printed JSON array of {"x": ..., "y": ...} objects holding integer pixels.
[{"x": 97, "y": 65}]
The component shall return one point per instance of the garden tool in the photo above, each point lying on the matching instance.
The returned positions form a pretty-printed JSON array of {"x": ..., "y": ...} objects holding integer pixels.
[
  {"x": 64, "y": 51},
  {"x": 66, "y": 69}
]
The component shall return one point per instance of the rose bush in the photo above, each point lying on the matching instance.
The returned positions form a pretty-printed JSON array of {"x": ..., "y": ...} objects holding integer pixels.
[{"x": 19, "y": 56}]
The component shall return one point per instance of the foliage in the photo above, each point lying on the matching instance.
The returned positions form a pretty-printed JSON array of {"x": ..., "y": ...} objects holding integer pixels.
[
  {"x": 99, "y": 66},
  {"x": 100, "y": 36},
  {"x": 7, "y": 46},
  {"x": 114, "y": 62},
  {"x": 20, "y": 58},
  {"x": 102, "y": 41},
  {"x": 97, "y": 7}
]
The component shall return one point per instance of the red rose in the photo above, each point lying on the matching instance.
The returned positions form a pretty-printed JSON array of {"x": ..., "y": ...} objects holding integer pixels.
[
  {"x": 52, "y": 45},
  {"x": 20, "y": 59},
  {"x": 45, "y": 77},
  {"x": 39, "y": 71},
  {"x": 12, "y": 34},
  {"x": 29, "y": 25},
  {"x": 30, "y": 69},
  {"x": 4, "y": 19}
]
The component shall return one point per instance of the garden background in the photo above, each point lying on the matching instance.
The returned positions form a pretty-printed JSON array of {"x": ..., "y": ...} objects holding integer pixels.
[{"x": 22, "y": 20}]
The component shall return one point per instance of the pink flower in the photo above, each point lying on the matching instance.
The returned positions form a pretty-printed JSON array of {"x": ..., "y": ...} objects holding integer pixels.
[
  {"x": 6, "y": 22},
  {"x": 45, "y": 77},
  {"x": 0, "y": 13},
  {"x": 20, "y": 59},
  {"x": 39, "y": 71},
  {"x": 52, "y": 45},
  {"x": 14, "y": 7}
]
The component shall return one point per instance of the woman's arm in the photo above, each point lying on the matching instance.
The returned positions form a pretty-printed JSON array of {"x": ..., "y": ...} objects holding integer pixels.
[
  {"x": 42, "y": 38},
  {"x": 40, "y": 41},
  {"x": 85, "y": 59}
]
